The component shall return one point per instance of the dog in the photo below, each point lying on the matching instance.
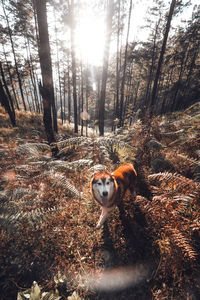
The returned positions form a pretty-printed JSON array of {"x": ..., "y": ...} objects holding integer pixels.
[{"x": 108, "y": 189}]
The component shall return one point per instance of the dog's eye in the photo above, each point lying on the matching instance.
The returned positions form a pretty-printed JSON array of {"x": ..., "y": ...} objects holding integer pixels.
[
  {"x": 107, "y": 183},
  {"x": 99, "y": 183}
]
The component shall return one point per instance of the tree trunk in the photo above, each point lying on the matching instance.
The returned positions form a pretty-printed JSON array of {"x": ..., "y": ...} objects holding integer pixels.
[
  {"x": 82, "y": 98},
  {"x": 69, "y": 96},
  {"x": 33, "y": 77},
  {"x": 110, "y": 11},
  {"x": 58, "y": 66},
  {"x": 86, "y": 98},
  {"x": 46, "y": 89},
  {"x": 153, "y": 57},
  {"x": 117, "y": 64},
  {"x": 160, "y": 61},
  {"x": 74, "y": 67},
  {"x": 5, "y": 103},
  {"x": 11, "y": 78},
  {"x": 186, "y": 89},
  {"x": 7, "y": 91},
  {"x": 14, "y": 55},
  {"x": 124, "y": 69},
  {"x": 64, "y": 97}
]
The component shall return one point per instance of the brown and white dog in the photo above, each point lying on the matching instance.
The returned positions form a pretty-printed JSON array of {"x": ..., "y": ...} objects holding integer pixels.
[{"x": 109, "y": 189}]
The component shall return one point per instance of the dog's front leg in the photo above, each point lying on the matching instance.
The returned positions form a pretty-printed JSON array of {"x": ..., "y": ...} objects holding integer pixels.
[{"x": 104, "y": 214}]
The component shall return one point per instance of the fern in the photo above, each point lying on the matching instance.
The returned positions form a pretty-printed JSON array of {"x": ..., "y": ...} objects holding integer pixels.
[
  {"x": 33, "y": 149},
  {"x": 176, "y": 182},
  {"x": 181, "y": 242},
  {"x": 36, "y": 216},
  {"x": 170, "y": 216},
  {"x": 106, "y": 145},
  {"x": 3, "y": 197},
  {"x": 74, "y": 165},
  {"x": 58, "y": 165},
  {"x": 60, "y": 181},
  {"x": 10, "y": 220},
  {"x": 113, "y": 143},
  {"x": 71, "y": 142}
]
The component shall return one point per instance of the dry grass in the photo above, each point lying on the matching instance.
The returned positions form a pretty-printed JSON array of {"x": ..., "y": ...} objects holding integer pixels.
[{"x": 48, "y": 223}]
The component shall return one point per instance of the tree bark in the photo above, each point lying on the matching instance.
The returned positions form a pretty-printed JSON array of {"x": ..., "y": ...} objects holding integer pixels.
[
  {"x": 117, "y": 63},
  {"x": 14, "y": 55},
  {"x": 69, "y": 95},
  {"x": 124, "y": 69},
  {"x": 82, "y": 98},
  {"x": 110, "y": 11},
  {"x": 153, "y": 57},
  {"x": 5, "y": 103},
  {"x": 160, "y": 61},
  {"x": 11, "y": 78},
  {"x": 46, "y": 90},
  {"x": 74, "y": 67},
  {"x": 58, "y": 67},
  {"x": 7, "y": 91}
]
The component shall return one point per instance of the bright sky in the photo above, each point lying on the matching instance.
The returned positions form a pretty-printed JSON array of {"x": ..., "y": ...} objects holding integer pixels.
[
  {"x": 90, "y": 34},
  {"x": 90, "y": 38}
]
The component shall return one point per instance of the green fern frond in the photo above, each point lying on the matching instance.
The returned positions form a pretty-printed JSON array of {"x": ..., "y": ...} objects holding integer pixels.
[
  {"x": 60, "y": 181},
  {"x": 71, "y": 142},
  {"x": 4, "y": 197},
  {"x": 19, "y": 193},
  {"x": 10, "y": 220},
  {"x": 113, "y": 143},
  {"x": 115, "y": 146},
  {"x": 80, "y": 164},
  {"x": 32, "y": 149},
  {"x": 23, "y": 167},
  {"x": 73, "y": 166},
  {"x": 58, "y": 165},
  {"x": 35, "y": 216},
  {"x": 38, "y": 164}
]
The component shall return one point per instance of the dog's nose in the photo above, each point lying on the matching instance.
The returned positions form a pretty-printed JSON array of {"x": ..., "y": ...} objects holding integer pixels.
[{"x": 105, "y": 193}]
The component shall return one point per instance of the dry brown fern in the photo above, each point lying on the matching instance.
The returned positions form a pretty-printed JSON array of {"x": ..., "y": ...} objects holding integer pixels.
[
  {"x": 178, "y": 240},
  {"x": 177, "y": 183},
  {"x": 173, "y": 216}
]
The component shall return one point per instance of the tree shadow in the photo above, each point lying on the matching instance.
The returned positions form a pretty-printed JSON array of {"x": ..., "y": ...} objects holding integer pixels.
[
  {"x": 135, "y": 256},
  {"x": 138, "y": 242}
]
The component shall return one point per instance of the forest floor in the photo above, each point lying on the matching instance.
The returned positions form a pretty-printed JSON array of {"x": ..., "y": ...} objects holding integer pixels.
[{"x": 48, "y": 217}]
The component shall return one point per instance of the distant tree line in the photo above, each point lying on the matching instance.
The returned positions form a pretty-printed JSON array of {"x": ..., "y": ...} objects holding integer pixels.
[{"x": 40, "y": 70}]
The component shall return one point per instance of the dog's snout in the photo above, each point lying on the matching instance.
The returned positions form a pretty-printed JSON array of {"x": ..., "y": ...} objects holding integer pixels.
[{"x": 105, "y": 193}]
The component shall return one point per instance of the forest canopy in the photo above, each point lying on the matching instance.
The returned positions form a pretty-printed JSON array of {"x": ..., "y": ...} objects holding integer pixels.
[
  {"x": 86, "y": 86},
  {"x": 108, "y": 61}
]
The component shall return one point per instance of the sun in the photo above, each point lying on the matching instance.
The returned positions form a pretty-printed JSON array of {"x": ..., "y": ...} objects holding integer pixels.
[{"x": 90, "y": 36}]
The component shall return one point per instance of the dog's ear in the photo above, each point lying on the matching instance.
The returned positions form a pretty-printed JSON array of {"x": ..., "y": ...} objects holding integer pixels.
[
  {"x": 92, "y": 179},
  {"x": 113, "y": 177},
  {"x": 115, "y": 181}
]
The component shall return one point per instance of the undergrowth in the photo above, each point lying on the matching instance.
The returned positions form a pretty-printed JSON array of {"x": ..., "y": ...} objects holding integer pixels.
[{"x": 149, "y": 249}]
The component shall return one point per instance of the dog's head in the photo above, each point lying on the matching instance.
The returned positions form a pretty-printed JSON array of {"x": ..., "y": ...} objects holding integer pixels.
[{"x": 103, "y": 187}]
